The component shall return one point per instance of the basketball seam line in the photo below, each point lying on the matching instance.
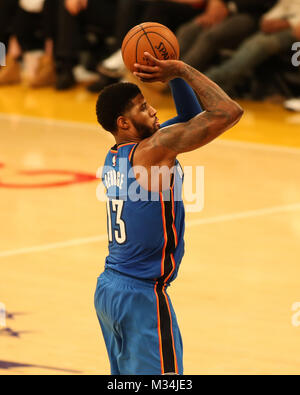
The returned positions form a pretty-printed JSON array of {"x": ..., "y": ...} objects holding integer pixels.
[{"x": 149, "y": 43}]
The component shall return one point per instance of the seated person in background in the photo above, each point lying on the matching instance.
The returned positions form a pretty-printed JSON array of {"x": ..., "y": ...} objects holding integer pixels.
[
  {"x": 279, "y": 29},
  {"x": 29, "y": 32},
  {"x": 112, "y": 69},
  {"x": 224, "y": 25},
  {"x": 81, "y": 23}
]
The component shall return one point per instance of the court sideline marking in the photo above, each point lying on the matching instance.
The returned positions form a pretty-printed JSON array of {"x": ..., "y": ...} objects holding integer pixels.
[
  {"x": 96, "y": 128},
  {"x": 189, "y": 224}
]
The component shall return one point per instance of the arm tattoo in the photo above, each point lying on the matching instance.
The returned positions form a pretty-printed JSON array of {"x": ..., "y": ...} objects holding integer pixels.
[{"x": 221, "y": 114}]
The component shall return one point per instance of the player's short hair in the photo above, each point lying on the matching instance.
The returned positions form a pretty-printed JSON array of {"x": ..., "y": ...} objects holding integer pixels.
[{"x": 113, "y": 102}]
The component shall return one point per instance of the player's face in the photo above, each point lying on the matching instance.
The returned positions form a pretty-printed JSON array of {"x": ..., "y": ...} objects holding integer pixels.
[{"x": 143, "y": 117}]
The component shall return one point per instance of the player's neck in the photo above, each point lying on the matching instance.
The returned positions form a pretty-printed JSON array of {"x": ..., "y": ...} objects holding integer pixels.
[{"x": 126, "y": 140}]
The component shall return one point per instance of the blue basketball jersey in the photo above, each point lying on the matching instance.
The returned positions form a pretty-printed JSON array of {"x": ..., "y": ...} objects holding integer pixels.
[{"x": 145, "y": 229}]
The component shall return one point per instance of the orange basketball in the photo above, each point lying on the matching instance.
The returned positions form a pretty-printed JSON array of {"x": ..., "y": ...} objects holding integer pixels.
[{"x": 150, "y": 37}]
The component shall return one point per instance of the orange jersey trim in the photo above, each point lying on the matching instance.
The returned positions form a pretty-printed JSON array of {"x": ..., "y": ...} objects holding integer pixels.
[
  {"x": 165, "y": 234},
  {"x": 172, "y": 334},
  {"x": 159, "y": 332}
]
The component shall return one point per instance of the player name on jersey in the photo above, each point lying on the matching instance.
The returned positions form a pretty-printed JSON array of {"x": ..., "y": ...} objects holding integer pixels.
[{"x": 114, "y": 178}]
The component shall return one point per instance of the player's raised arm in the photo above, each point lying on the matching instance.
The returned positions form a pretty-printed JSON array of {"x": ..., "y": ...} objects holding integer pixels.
[
  {"x": 221, "y": 112},
  {"x": 186, "y": 102}
]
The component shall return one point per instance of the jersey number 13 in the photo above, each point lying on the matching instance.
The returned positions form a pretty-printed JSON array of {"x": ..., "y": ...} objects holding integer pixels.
[{"x": 116, "y": 206}]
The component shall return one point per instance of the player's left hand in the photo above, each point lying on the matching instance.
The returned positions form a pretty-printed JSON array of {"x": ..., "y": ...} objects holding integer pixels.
[{"x": 157, "y": 70}]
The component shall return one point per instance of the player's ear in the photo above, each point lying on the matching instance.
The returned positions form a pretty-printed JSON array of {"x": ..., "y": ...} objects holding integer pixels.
[{"x": 123, "y": 123}]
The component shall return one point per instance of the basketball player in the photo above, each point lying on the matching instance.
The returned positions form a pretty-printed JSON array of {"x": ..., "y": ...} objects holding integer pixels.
[{"x": 146, "y": 235}]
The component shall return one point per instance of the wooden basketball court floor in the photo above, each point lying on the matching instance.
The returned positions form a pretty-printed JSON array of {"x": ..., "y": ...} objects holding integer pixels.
[{"x": 239, "y": 281}]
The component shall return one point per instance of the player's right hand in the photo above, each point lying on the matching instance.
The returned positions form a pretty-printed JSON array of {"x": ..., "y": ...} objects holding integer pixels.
[{"x": 157, "y": 70}]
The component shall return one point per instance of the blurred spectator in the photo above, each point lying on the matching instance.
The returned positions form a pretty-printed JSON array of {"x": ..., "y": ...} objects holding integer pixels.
[
  {"x": 224, "y": 25},
  {"x": 28, "y": 27},
  {"x": 82, "y": 24},
  {"x": 112, "y": 69},
  {"x": 279, "y": 28}
]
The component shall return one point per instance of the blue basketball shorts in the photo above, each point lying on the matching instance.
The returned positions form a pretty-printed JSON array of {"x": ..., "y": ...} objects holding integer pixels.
[{"x": 139, "y": 325}]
